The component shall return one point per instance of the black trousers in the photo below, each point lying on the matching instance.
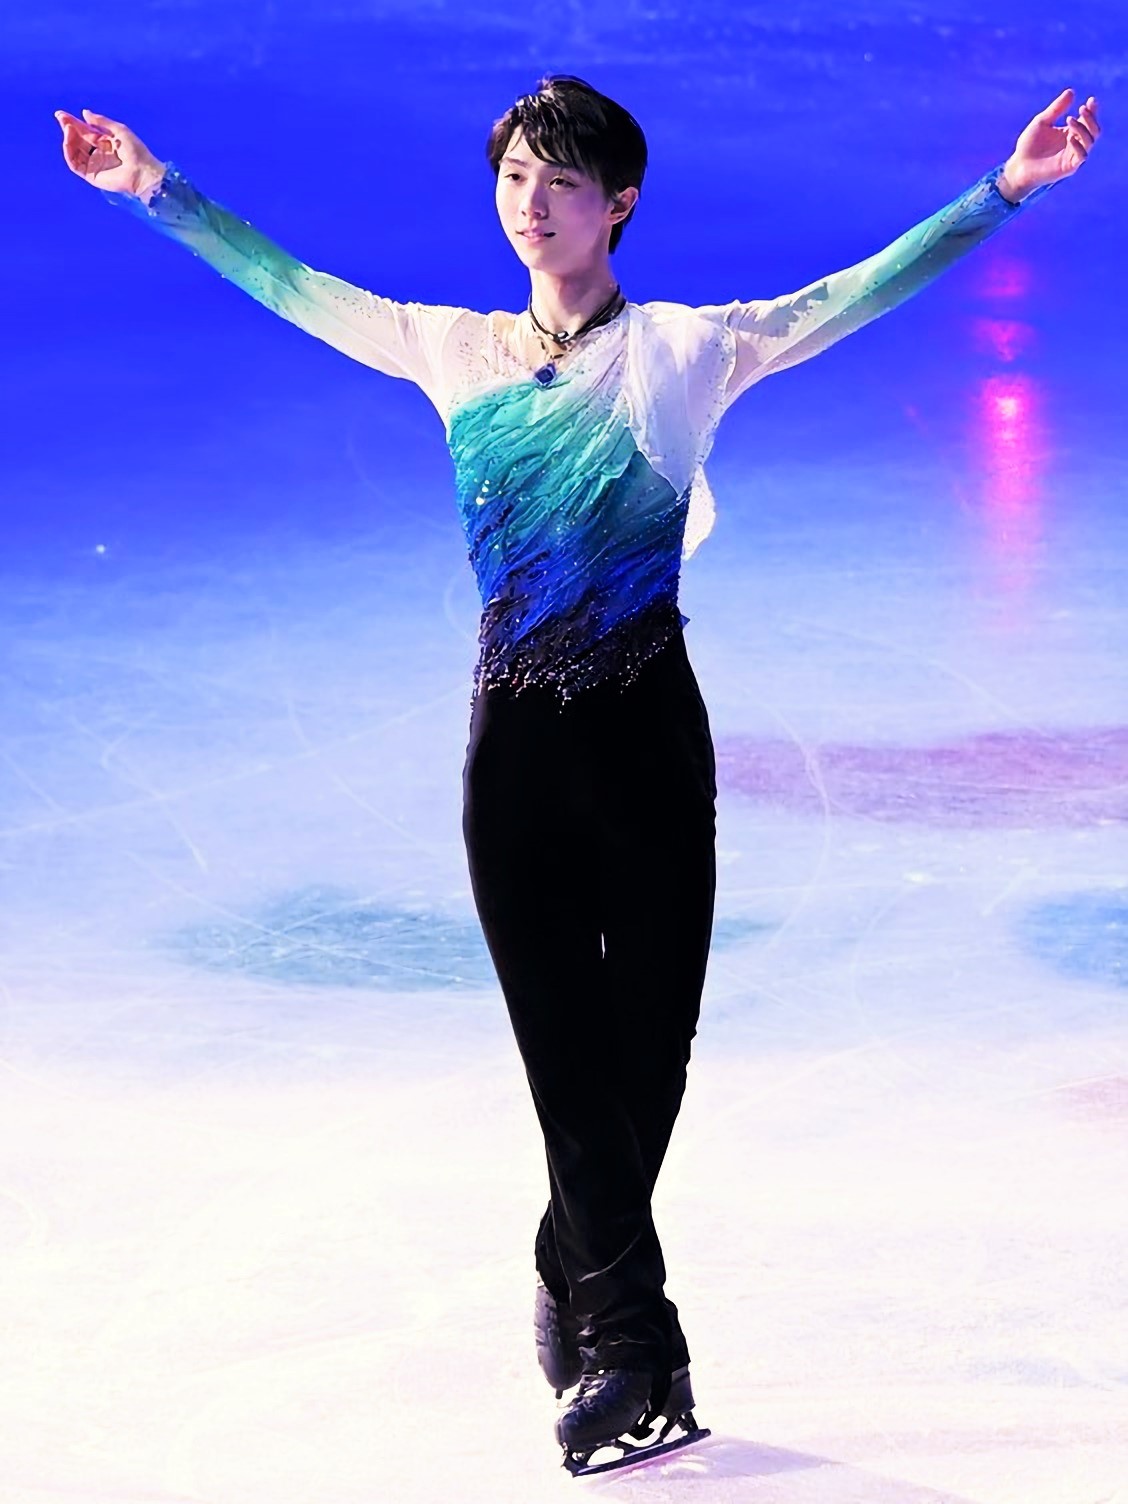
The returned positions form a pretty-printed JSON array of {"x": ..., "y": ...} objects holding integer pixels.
[{"x": 590, "y": 831}]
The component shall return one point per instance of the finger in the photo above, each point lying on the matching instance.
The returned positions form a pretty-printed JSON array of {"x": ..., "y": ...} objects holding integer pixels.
[
  {"x": 1082, "y": 129},
  {"x": 86, "y": 131},
  {"x": 79, "y": 128},
  {"x": 1090, "y": 120},
  {"x": 1077, "y": 140},
  {"x": 1055, "y": 106},
  {"x": 101, "y": 119},
  {"x": 74, "y": 130},
  {"x": 83, "y": 142},
  {"x": 77, "y": 148}
]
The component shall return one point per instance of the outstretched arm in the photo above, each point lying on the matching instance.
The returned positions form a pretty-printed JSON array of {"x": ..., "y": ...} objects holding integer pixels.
[
  {"x": 772, "y": 335},
  {"x": 400, "y": 339},
  {"x": 409, "y": 340}
]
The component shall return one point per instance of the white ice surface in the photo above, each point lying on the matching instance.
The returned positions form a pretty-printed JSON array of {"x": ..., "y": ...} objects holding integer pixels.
[{"x": 268, "y": 1237}]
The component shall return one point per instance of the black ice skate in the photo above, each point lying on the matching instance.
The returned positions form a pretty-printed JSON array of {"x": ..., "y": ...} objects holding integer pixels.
[
  {"x": 557, "y": 1334},
  {"x": 614, "y": 1405}
]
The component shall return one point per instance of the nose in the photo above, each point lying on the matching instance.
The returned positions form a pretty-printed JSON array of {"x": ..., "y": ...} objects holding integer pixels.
[{"x": 531, "y": 206}]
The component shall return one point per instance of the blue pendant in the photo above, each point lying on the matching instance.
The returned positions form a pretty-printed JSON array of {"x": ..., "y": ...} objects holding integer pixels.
[{"x": 546, "y": 374}]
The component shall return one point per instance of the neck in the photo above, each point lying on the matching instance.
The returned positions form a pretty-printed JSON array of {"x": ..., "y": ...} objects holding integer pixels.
[{"x": 567, "y": 300}]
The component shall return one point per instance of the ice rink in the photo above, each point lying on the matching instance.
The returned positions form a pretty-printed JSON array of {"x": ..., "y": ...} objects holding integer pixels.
[{"x": 270, "y": 1168}]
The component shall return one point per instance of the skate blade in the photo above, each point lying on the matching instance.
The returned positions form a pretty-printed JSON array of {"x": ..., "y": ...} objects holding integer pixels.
[{"x": 580, "y": 1466}]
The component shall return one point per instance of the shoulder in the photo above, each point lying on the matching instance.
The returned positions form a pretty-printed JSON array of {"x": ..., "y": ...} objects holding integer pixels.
[
  {"x": 454, "y": 335},
  {"x": 496, "y": 324},
  {"x": 662, "y": 313},
  {"x": 659, "y": 311},
  {"x": 686, "y": 329},
  {"x": 501, "y": 321}
]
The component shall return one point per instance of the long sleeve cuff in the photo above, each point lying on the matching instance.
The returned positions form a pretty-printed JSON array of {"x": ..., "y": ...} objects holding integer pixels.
[
  {"x": 991, "y": 179},
  {"x": 173, "y": 201}
]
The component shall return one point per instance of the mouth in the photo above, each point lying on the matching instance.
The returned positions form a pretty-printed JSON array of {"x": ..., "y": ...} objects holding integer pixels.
[{"x": 535, "y": 236}]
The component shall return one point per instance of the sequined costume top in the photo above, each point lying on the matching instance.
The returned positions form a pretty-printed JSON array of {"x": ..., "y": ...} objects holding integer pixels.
[{"x": 579, "y": 498}]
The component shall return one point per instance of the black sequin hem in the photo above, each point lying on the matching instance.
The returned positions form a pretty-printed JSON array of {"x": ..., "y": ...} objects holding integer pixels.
[{"x": 617, "y": 657}]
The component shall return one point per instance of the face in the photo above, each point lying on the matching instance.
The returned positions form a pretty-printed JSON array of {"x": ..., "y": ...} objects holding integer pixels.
[{"x": 569, "y": 210}]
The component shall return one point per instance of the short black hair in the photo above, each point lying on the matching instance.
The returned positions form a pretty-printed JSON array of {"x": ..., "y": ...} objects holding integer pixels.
[{"x": 570, "y": 122}]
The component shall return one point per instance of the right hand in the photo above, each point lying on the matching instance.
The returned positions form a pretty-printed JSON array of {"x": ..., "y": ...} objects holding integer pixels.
[{"x": 107, "y": 154}]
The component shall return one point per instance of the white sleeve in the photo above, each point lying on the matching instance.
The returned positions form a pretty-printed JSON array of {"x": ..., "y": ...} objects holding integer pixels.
[
  {"x": 770, "y": 335},
  {"x": 420, "y": 342}
]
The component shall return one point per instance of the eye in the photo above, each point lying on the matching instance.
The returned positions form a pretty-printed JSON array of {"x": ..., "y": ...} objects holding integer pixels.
[{"x": 565, "y": 181}]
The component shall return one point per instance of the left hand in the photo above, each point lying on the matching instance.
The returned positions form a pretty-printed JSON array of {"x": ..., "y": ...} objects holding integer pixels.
[{"x": 1045, "y": 152}]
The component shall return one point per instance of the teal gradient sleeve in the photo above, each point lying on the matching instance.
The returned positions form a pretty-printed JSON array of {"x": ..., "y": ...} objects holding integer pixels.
[
  {"x": 401, "y": 339},
  {"x": 771, "y": 335}
]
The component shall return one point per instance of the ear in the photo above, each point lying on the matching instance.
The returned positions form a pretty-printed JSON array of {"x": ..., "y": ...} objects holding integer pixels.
[{"x": 624, "y": 202}]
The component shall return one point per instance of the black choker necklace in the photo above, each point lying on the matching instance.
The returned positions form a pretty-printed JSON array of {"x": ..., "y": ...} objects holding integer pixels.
[{"x": 613, "y": 306}]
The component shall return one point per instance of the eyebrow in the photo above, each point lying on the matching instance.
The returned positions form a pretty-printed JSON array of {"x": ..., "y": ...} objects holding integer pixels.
[{"x": 523, "y": 162}]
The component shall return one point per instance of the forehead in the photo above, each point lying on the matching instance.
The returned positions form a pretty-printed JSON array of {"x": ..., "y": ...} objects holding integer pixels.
[{"x": 521, "y": 154}]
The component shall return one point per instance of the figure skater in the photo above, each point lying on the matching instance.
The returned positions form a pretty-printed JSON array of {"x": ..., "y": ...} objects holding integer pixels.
[{"x": 579, "y": 428}]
